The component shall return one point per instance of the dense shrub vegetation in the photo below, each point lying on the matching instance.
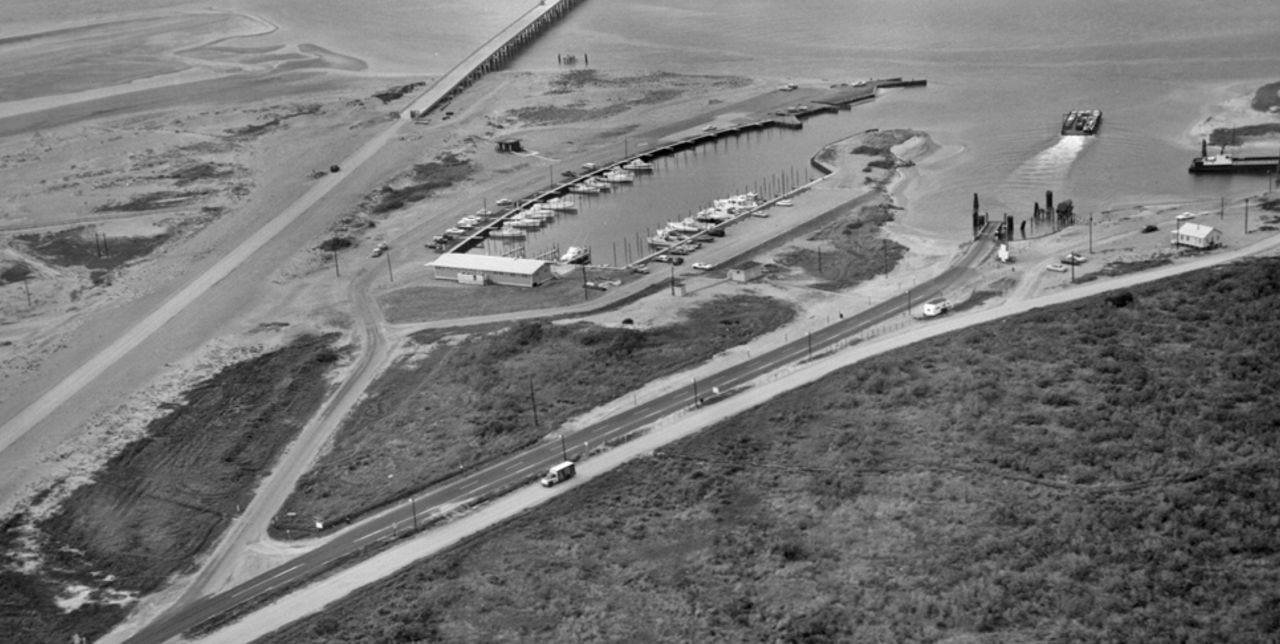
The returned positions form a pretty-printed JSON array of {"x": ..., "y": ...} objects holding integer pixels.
[{"x": 1080, "y": 473}]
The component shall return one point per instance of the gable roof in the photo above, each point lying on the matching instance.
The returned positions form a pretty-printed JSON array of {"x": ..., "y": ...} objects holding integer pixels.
[
  {"x": 1192, "y": 229},
  {"x": 495, "y": 263}
]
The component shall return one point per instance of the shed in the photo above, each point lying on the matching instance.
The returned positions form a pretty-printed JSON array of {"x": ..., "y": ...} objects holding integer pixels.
[
  {"x": 746, "y": 272},
  {"x": 491, "y": 269},
  {"x": 1196, "y": 235},
  {"x": 509, "y": 145}
]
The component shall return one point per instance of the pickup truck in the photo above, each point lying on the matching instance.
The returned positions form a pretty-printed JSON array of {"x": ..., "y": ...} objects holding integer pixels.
[{"x": 558, "y": 474}]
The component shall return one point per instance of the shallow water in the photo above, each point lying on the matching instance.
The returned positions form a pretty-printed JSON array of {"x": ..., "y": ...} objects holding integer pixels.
[{"x": 1001, "y": 73}]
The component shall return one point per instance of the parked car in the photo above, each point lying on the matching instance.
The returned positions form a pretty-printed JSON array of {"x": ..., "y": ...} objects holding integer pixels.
[
  {"x": 668, "y": 259},
  {"x": 702, "y": 266},
  {"x": 642, "y": 269},
  {"x": 1057, "y": 268},
  {"x": 379, "y": 249},
  {"x": 1150, "y": 228},
  {"x": 1073, "y": 259},
  {"x": 1185, "y": 216}
]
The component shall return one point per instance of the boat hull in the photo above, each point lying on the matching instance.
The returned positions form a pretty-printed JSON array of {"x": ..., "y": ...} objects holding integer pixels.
[{"x": 1240, "y": 165}]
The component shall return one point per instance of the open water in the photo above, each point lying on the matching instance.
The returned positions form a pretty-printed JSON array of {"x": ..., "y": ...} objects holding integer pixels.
[{"x": 1001, "y": 74}]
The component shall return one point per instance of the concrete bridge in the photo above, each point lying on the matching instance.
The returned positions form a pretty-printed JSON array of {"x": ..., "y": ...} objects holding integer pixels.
[{"x": 489, "y": 56}]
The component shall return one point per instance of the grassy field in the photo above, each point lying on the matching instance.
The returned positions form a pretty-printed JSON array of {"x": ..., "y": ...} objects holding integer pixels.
[
  {"x": 467, "y": 402},
  {"x": 854, "y": 250},
  {"x": 425, "y": 179},
  {"x": 164, "y": 499},
  {"x": 444, "y": 301},
  {"x": 1081, "y": 473}
]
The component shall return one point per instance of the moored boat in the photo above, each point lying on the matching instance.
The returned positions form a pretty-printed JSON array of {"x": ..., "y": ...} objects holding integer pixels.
[
  {"x": 524, "y": 222},
  {"x": 638, "y": 165},
  {"x": 619, "y": 175},
  {"x": 564, "y": 204},
  {"x": 576, "y": 255},
  {"x": 507, "y": 233}
]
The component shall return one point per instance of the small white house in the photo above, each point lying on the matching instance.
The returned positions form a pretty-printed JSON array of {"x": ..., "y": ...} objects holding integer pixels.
[
  {"x": 1196, "y": 235},
  {"x": 746, "y": 271}
]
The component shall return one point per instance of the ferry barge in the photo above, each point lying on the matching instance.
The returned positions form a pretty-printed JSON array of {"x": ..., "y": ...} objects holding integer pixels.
[
  {"x": 1224, "y": 163},
  {"x": 1081, "y": 122}
]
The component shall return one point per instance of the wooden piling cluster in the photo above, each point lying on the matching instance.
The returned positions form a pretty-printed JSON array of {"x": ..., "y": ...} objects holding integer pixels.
[{"x": 506, "y": 52}]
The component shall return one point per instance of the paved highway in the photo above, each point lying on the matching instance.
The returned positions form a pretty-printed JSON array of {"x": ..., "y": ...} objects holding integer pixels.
[{"x": 523, "y": 467}]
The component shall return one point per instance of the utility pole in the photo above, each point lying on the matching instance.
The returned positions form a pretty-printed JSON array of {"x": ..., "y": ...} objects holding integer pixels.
[
  {"x": 673, "y": 280},
  {"x": 1222, "y": 207},
  {"x": 413, "y": 506},
  {"x": 884, "y": 252},
  {"x": 1246, "y": 215},
  {"x": 695, "y": 391},
  {"x": 810, "y": 335},
  {"x": 1091, "y": 233},
  {"x": 389, "y": 273},
  {"x": 336, "y": 270},
  {"x": 533, "y": 403},
  {"x": 585, "y": 295},
  {"x": 26, "y": 288},
  {"x": 564, "y": 453}
]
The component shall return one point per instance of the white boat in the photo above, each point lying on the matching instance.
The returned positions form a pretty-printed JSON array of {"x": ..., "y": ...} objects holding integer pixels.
[
  {"x": 484, "y": 212},
  {"x": 599, "y": 184},
  {"x": 507, "y": 233},
  {"x": 638, "y": 165},
  {"x": 685, "y": 227},
  {"x": 619, "y": 175},
  {"x": 737, "y": 203},
  {"x": 524, "y": 222},
  {"x": 456, "y": 232},
  {"x": 584, "y": 188},
  {"x": 658, "y": 241},
  {"x": 561, "y": 204},
  {"x": 576, "y": 255},
  {"x": 714, "y": 215},
  {"x": 786, "y": 203}
]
